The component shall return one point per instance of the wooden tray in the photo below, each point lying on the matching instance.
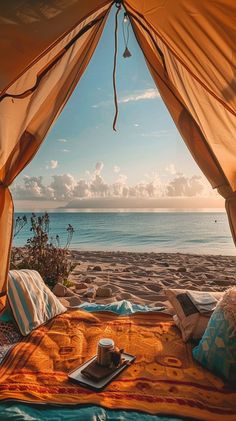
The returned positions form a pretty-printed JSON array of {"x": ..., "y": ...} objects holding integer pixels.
[{"x": 77, "y": 377}]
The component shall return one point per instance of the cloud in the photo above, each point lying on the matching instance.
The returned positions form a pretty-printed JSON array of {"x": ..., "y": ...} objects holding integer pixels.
[
  {"x": 171, "y": 169},
  {"x": 158, "y": 133},
  {"x": 98, "y": 168},
  {"x": 185, "y": 186},
  {"x": 116, "y": 169},
  {"x": 62, "y": 140},
  {"x": 65, "y": 150},
  {"x": 93, "y": 185},
  {"x": 140, "y": 96},
  {"x": 32, "y": 189},
  {"x": 52, "y": 165},
  {"x": 63, "y": 186},
  {"x": 82, "y": 189},
  {"x": 148, "y": 94}
]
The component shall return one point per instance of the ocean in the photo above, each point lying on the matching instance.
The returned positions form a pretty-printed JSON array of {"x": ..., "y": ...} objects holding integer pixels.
[{"x": 183, "y": 232}]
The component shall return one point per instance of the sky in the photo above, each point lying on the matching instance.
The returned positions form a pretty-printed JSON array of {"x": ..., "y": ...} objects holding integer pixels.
[{"x": 82, "y": 160}]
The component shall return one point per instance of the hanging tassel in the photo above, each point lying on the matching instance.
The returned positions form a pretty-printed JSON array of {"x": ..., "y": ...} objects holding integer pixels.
[
  {"x": 127, "y": 53},
  {"x": 118, "y": 5},
  {"x": 126, "y": 21}
]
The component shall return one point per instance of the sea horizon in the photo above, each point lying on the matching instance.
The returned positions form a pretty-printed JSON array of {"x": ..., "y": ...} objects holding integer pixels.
[
  {"x": 121, "y": 210},
  {"x": 197, "y": 232}
]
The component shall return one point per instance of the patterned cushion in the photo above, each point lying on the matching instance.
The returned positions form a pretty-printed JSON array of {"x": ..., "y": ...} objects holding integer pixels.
[
  {"x": 217, "y": 349},
  {"x": 188, "y": 319},
  {"x": 31, "y": 301},
  {"x": 9, "y": 337}
]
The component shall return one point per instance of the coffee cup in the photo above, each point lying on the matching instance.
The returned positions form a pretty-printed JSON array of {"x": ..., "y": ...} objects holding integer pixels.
[{"x": 107, "y": 353}]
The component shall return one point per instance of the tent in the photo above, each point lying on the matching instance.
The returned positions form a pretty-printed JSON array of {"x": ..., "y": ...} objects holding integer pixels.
[{"x": 189, "y": 48}]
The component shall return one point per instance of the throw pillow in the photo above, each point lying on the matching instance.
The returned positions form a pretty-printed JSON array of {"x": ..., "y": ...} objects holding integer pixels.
[
  {"x": 217, "y": 348},
  {"x": 31, "y": 301}
]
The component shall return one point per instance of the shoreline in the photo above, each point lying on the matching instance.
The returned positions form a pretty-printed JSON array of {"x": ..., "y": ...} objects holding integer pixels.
[{"x": 111, "y": 251}]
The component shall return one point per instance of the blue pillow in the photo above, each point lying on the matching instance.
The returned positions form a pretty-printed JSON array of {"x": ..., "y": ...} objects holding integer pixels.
[{"x": 217, "y": 348}]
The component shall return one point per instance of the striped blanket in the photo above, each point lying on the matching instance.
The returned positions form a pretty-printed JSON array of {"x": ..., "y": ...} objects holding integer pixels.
[{"x": 163, "y": 380}]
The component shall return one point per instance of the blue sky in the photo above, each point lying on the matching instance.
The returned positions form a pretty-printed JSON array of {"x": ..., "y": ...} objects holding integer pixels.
[{"x": 146, "y": 148}]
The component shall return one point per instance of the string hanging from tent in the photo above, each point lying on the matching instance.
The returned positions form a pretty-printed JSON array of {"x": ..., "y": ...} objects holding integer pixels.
[
  {"x": 118, "y": 5},
  {"x": 126, "y": 53}
]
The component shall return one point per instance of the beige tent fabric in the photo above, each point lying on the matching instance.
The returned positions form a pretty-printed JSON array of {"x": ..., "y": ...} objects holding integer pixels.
[
  {"x": 31, "y": 104},
  {"x": 189, "y": 47},
  {"x": 28, "y": 28}
]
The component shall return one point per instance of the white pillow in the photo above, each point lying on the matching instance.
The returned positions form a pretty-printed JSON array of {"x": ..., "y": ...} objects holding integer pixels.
[{"x": 31, "y": 301}]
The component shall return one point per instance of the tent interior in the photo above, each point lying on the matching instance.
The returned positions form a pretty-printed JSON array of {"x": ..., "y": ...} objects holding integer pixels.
[{"x": 189, "y": 49}]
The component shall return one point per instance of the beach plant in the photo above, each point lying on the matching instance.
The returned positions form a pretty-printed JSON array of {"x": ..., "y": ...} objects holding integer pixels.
[
  {"x": 44, "y": 253},
  {"x": 19, "y": 224}
]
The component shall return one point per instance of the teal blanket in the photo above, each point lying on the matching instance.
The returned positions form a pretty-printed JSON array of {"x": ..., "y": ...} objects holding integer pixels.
[{"x": 19, "y": 411}]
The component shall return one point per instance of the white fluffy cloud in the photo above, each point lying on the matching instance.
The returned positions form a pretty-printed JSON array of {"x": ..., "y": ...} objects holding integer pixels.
[
  {"x": 32, "y": 188},
  {"x": 63, "y": 186},
  {"x": 66, "y": 187},
  {"x": 185, "y": 186},
  {"x": 82, "y": 189},
  {"x": 141, "y": 95},
  {"x": 53, "y": 164}
]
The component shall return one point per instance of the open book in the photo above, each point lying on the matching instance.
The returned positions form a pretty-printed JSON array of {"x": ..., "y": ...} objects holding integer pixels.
[{"x": 204, "y": 302}]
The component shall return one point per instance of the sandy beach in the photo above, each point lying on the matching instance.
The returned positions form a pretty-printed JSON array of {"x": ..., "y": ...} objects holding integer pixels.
[{"x": 105, "y": 277}]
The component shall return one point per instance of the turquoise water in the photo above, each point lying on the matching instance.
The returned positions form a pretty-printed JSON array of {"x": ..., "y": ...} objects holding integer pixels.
[{"x": 191, "y": 232}]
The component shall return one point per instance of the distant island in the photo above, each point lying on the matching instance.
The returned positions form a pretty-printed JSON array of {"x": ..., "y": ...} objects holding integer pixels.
[{"x": 178, "y": 203}]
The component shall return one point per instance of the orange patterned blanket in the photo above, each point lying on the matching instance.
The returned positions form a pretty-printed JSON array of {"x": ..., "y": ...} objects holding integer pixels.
[{"x": 163, "y": 380}]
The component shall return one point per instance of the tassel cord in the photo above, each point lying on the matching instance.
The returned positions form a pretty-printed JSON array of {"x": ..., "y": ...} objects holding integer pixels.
[
  {"x": 125, "y": 36},
  {"x": 114, "y": 67}
]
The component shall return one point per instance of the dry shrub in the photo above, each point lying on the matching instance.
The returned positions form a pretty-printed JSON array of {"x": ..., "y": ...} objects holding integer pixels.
[{"x": 41, "y": 253}]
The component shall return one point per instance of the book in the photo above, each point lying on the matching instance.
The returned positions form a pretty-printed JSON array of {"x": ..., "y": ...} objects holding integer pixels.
[
  {"x": 98, "y": 379},
  {"x": 204, "y": 302}
]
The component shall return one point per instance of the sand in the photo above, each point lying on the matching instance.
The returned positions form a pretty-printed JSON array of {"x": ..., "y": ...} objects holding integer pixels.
[{"x": 105, "y": 277}]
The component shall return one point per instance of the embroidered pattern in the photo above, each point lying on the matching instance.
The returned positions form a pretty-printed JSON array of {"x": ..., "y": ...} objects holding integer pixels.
[{"x": 9, "y": 336}]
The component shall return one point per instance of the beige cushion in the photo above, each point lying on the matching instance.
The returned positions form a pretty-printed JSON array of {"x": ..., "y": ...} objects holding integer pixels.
[{"x": 188, "y": 319}]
